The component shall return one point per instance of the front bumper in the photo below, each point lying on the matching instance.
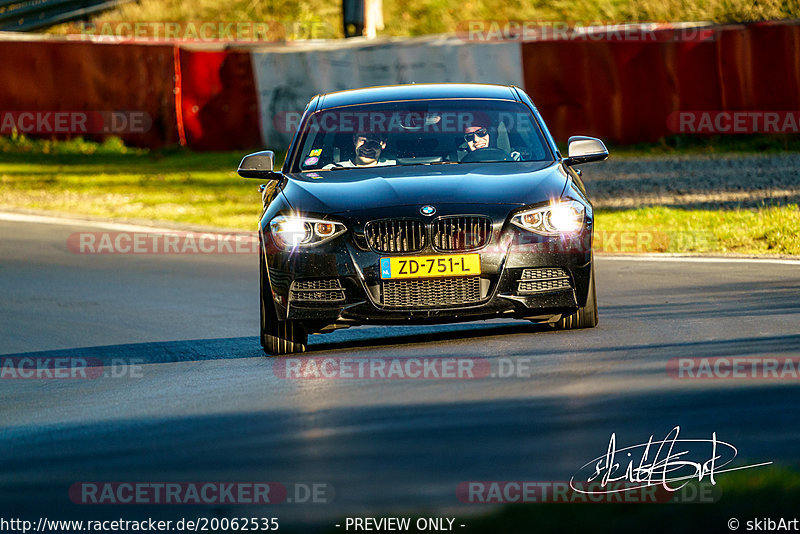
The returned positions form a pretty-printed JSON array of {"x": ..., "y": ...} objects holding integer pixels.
[{"x": 356, "y": 271}]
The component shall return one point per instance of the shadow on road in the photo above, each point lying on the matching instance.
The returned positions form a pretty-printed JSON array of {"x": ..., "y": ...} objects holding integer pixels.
[
  {"x": 382, "y": 457},
  {"x": 248, "y": 347},
  {"x": 719, "y": 301}
]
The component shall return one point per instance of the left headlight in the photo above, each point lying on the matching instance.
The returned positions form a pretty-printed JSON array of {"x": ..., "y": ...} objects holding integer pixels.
[
  {"x": 295, "y": 231},
  {"x": 555, "y": 219}
]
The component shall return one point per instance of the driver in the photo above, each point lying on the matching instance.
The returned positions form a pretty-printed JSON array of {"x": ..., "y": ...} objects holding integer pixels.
[
  {"x": 368, "y": 148},
  {"x": 477, "y": 137}
]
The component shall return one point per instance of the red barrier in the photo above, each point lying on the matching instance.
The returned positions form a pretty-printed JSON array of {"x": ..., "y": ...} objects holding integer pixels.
[
  {"x": 622, "y": 91},
  {"x": 767, "y": 61},
  {"x": 218, "y": 100},
  {"x": 625, "y": 91},
  {"x": 79, "y": 76},
  {"x": 207, "y": 98}
]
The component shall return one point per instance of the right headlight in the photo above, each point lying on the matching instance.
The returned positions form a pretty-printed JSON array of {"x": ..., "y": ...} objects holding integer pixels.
[
  {"x": 558, "y": 218},
  {"x": 296, "y": 231}
]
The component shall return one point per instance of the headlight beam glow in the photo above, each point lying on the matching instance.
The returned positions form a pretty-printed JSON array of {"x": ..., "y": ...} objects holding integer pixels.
[
  {"x": 558, "y": 219},
  {"x": 292, "y": 231}
]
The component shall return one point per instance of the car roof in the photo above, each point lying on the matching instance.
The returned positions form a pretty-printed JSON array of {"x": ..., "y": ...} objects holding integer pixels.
[{"x": 417, "y": 91}]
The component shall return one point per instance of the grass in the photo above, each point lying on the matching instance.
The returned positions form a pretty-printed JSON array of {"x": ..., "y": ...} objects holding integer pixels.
[
  {"x": 112, "y": 181},
  {"x": 769, "y": 492},
  {"x": 764, "y": 230},
  {"x": 709, "y": 144},
  {"x": 322, "y": 18}
]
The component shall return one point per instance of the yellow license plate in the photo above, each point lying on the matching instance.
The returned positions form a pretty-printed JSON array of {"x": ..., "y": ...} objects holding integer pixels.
[{"x": 427, "y": 266}]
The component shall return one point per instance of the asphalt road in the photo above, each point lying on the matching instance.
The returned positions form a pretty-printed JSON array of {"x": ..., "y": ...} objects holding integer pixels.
[{"x": 206, "y": 405}]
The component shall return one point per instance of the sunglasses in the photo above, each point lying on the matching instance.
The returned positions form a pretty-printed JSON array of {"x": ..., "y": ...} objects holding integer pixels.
[
  {"x": 470, "y": 137},
  {"x": 368, "y": 139}
]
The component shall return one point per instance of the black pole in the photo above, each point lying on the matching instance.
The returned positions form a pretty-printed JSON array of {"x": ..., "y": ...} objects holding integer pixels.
[{"x": 353, "y": 17}]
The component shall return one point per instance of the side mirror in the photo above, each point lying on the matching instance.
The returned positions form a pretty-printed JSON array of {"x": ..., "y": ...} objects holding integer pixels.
[
  {"x": 259, "y": 165},
  {"x": 585, "y": 149}
]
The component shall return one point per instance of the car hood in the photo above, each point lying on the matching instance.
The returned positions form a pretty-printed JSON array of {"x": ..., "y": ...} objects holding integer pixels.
[{"x": 340, "y": 191}]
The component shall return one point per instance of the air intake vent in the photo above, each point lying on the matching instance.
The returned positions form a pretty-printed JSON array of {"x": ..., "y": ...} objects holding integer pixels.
[
  {"x": 460, "y": 233},
  {"x": 538, "y": 280},
  {"x": 432, "y": 292},
  {"x": 316, "y": 291},
  {"x": 402, "y": 235},
  {"x": 543, "y": 274}
]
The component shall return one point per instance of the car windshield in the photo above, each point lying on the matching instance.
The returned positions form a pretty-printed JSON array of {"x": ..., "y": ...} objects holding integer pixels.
[{"x": 420, "y": 132}]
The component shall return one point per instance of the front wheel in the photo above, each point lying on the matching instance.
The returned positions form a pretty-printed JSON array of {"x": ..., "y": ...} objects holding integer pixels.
[
  {"x": 585, "y": 316},
  {"x": 277, "y": 337}
]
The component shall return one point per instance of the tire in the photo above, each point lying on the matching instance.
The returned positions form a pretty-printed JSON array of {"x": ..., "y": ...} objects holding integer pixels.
[
  {"x": 585, "y": 316},
  {"x": 277, "y": 337}
]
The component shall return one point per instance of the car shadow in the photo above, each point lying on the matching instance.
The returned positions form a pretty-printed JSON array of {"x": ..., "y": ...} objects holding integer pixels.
[
  {"x": 428, "y": 347},
  {"x": 412, "y": 455},
  {"x": 248, "y": 347}
]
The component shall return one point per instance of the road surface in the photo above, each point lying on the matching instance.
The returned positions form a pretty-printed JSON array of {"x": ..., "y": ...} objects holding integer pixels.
[{"x": 203, "y": 404}]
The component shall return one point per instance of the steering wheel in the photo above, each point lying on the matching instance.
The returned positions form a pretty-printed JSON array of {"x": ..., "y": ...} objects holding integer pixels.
[{"x": 486, "y": 154}]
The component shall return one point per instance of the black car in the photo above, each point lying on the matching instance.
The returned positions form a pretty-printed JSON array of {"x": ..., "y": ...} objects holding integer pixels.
[{"x": 423, "y": 203}]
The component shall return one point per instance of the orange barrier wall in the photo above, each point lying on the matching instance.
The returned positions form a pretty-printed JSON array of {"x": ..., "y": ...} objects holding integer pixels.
[
  {"x": 624, "y": 91},
  {"x": 204, "y": 99},
  {"x": 82, "y": 76},
  {"x": 219, "y": 107}
]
